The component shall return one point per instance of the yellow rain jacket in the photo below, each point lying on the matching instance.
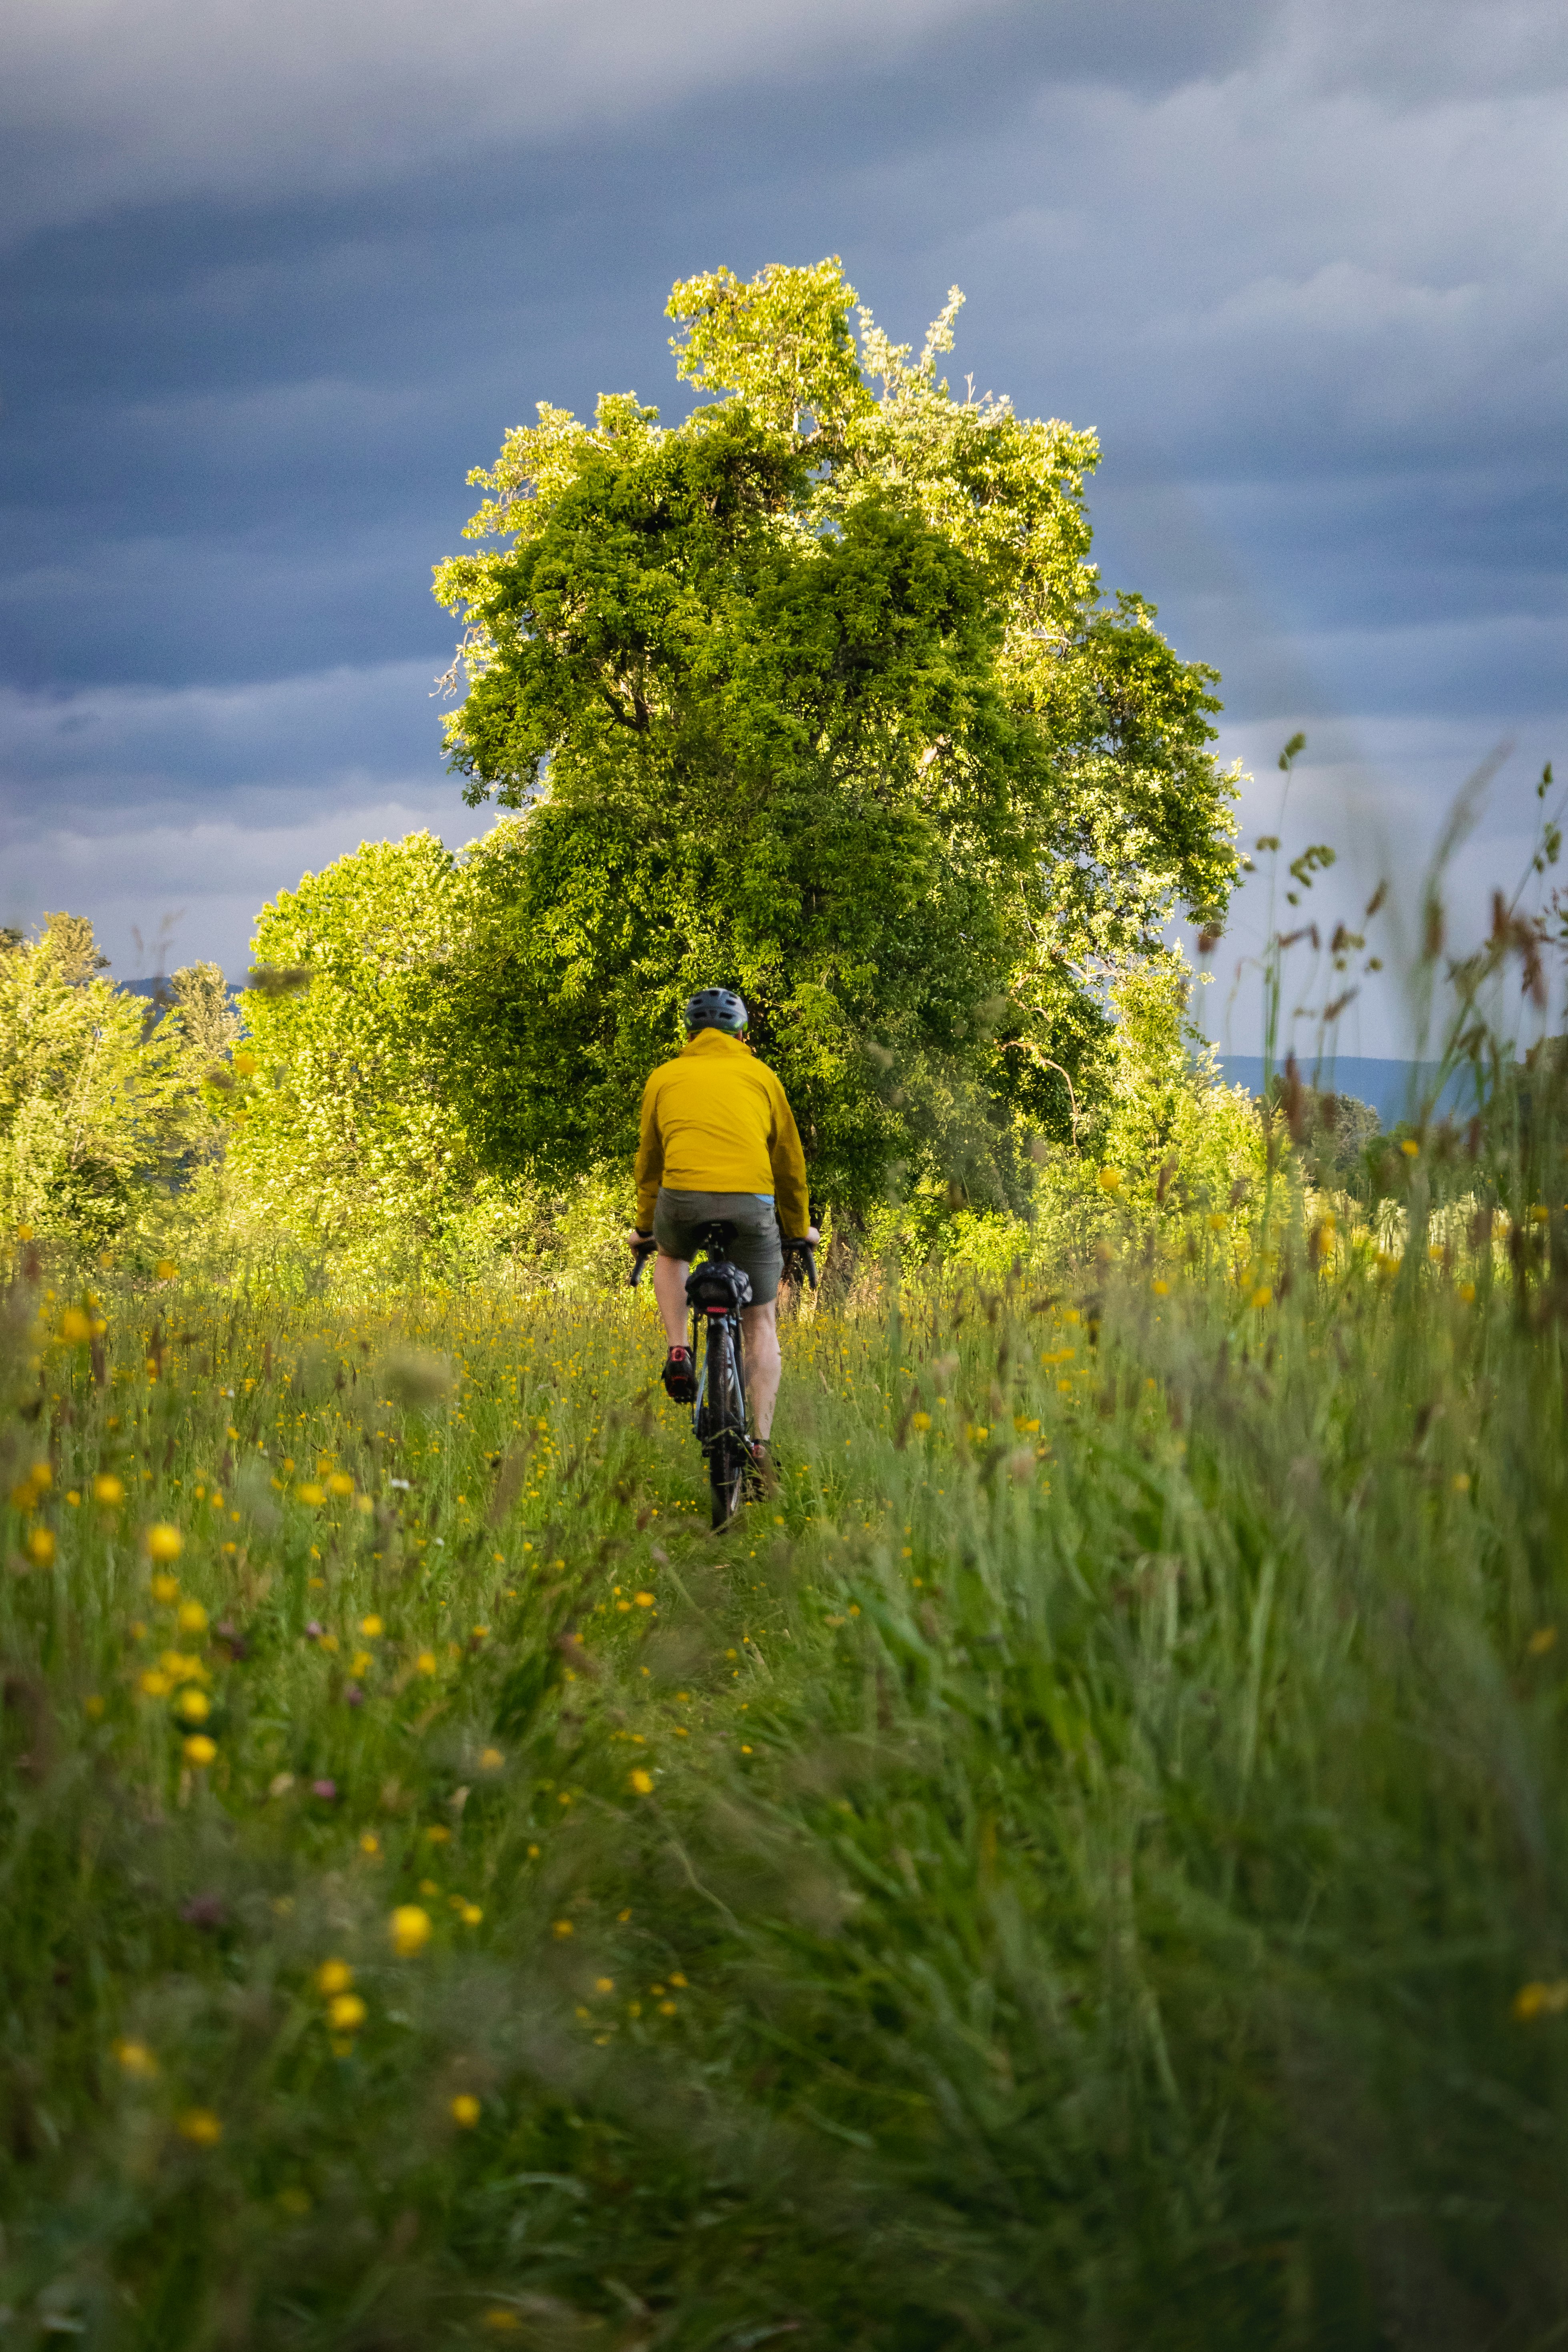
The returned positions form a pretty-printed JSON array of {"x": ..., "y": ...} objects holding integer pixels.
[{"x": 715, "y": 1121}]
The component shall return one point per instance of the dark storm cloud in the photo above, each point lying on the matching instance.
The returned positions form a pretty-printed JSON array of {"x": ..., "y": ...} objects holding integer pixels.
[{"x": 289, "y": 272}]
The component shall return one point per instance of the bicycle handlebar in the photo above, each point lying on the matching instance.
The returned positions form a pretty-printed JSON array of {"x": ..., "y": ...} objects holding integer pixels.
[{"x": 798, "y": 1248}]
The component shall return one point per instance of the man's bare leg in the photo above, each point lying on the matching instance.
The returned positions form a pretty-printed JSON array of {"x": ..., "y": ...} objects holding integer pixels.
[
  {"x": 763, "y": 1364},
  {"x": 670, "y": 1290}
]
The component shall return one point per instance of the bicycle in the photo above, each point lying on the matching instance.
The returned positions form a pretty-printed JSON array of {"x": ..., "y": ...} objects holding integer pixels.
[{"x": 717, "y": 1290}]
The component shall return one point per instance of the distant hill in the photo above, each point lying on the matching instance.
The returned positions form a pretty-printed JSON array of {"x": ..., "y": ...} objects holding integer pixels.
[{"x": 1393, "y": 1088}]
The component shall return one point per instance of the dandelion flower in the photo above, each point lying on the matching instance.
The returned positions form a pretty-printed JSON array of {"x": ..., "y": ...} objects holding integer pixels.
[
  {"x": 136, "y": 2060},
  {"x": 1544, "y": 1638},
  {"x": 464, "y": 2111},
  {"x": 41, "y": 1547},
  {"x": 165, "y": 1270},
  {"x": 193, "y": 1617},
  {"x": 155, "y": 1683},
  {"x": 370, "y": 1627},
  {"x": 921, "y": 1421},
  {"x": 470, "y": 1913},
  {"x": 200, "y": 2125},
  {"x": 369, "y": 1842},
  {"x": 347, "y": 2012},
  {"x": 500, "y": 2321},
  {"x": 164, "y": 1542},
  {"x": 340, "y": 1483},
  {"x": 108, "y": 1489},
  {"x": 491, "y": 1759},
  {"x": 640, "y": 1781},
  {"x": 1110, "y": 1180},
  {"x": 1263, "y": 1296},
  {"x": 409, "y": 1927},
  {"x": 193, "y": 1705},
  {"x": 200, "y": 1751},
  {"x": 165, "y": 1588},
  {"x": 562, "y": 1926},
  {"x": 604, "y": 1984},
  {"x": 425, "y": 1661},
  {"x": 1410, "y": 1148},
  {"x": 334, "y": 1976},
  {"x": 75, "y": 1327},
  {"x": 310, "y": 1493}
]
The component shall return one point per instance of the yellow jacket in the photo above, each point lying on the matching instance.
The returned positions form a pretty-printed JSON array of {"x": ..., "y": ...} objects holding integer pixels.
[{"x": 715, "y": 1121}]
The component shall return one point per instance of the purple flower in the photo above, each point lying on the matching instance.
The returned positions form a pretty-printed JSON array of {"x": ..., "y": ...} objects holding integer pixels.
[
  {"x": 203, "y": 1911},
  {"x": 354, "y": 1696},
  {"x": 326, "y": 1789},
  {"x": 312, "y": 1632}
]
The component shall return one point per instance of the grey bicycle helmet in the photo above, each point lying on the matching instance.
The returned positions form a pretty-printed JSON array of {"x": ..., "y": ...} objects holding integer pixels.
[{"x": 716, "y": 1008}]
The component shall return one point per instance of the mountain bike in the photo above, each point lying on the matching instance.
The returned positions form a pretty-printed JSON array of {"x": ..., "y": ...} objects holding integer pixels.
[{"x": 717, "y": 1290}]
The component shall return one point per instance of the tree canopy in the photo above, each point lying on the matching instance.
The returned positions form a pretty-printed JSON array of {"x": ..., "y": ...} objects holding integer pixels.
[{"x": 816, "y": 694}]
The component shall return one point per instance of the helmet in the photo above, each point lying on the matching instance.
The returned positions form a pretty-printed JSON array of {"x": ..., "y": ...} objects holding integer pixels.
[{"x": 716, "y": 1008}]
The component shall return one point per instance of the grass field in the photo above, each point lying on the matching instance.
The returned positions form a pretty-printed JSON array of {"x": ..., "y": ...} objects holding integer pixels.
[{"x": 1083, "y": 1866}]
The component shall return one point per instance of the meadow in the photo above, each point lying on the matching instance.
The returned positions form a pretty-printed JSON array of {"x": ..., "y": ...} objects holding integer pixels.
[{"x": 1081, "y": 1866}]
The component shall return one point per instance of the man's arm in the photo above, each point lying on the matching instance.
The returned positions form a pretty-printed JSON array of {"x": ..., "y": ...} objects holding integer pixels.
[
  {"x": 649, "y": 1166},
  {"x": 790, "y": 1195}
]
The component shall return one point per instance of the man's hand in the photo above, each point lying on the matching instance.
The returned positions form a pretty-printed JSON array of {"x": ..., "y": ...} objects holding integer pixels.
[
  {"x": 638, "y": 1241},
  {"x": 812, "y": 1235}
]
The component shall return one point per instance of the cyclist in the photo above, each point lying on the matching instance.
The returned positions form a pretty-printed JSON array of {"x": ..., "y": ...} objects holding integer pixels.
[{"x": 719, "y": 1139}]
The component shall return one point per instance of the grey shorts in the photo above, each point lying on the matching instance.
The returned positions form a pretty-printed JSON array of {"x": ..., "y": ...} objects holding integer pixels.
[{"x": 755, "y": 1248}]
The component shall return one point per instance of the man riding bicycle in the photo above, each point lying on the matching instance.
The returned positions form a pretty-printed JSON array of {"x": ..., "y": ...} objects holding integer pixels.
[{"x": 719, "y": 1139}]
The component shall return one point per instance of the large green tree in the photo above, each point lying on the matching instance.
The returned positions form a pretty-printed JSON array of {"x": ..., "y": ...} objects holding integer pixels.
[{"x": 816, "y": 694}]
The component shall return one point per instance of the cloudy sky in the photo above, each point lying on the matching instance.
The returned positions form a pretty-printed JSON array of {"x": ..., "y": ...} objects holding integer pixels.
[{"x": 276, "y": 273}]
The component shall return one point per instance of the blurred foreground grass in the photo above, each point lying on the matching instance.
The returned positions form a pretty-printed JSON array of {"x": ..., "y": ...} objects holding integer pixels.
[{"x": 1082, "y": 1867}]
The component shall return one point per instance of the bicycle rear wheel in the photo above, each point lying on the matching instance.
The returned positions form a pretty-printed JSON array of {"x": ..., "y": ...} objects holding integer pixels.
[
  {"x": 726, "y": 1479},
  {"x": 723, "y": 1423}
]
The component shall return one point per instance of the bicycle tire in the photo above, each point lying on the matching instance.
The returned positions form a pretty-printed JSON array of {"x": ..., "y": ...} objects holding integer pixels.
[
  {"x": 726, "y": 1480},
  {"x": 723, "y": 1419}
]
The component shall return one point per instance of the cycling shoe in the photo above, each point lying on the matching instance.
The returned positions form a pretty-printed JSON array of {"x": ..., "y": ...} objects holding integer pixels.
[{"x": 680, "y": 1376}]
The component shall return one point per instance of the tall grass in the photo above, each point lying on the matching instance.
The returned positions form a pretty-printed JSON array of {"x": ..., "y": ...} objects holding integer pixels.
[{"x": 1082, "y": 1867}]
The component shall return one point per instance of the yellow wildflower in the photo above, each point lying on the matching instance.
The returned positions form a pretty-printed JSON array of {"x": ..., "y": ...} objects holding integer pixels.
[
  {"x": 164, "y": 1542},
  {"x": 920, "y": 1421},
  {"x": 155, "y": 1685},
  {"x": 334, "y": 1976},
  {"x": 41, "y": 1546},
  {"x": 310, "y": 1493},
  {"x": 640, "y": 1781},
  {"x": 108, "y": 1489},
  {"x": 491, "y": 1759},
  {"x": 466, "y": 2111},
  {"x": 165, "y": 1588},
  {"x": 1544, "y": 1638},
  {"x": 347, "y": 2012},
  {"x": 135, "y": 2059},
  {"x": 193, "y": 1705},
  {"x": 193, "y": 1617},
  {"x": 75, "y": 1327},
  {"x": 200, "y": 1751},
  {"x": 1534, "y": 2001},
  {"x": 1110, "y": 1180},
  {"x": 165, "y": 1270},
  {"x": 340, "y": 1483},
  {"x": 425, "y": 1661},
  {"x": 370, "y": 1627},
  {"x": 200, "y": 2125},
  {"x": 409, "y": 1927}
]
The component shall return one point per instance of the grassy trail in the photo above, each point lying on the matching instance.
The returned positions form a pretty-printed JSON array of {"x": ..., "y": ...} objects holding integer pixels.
[{"x": 1082, "y": 1867}]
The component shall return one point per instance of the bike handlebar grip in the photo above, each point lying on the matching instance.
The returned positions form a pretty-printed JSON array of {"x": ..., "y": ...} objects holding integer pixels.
[
  {"x": 640, "y": 1258},
  {"x": 804, "y": 1250}
]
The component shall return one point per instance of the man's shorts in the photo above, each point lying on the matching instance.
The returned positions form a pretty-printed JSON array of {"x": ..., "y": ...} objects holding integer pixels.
[{"x": 756, "y": 1246}]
